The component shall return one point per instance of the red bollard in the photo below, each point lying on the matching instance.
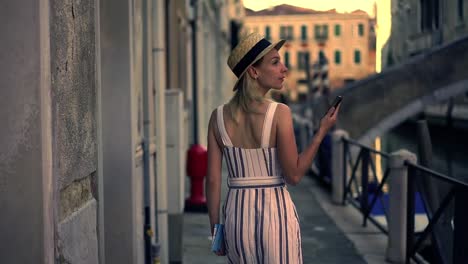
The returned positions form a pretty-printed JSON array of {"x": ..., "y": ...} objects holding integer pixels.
[{"x": 197, "y": 166}]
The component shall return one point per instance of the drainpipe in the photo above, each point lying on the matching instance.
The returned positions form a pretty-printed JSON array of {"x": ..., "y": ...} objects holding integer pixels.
[
  {"x": 197, "y": 155},
  {"x": 194, "y": 4},
  {"x": 147, "y": 230},
  {"x": 159, "y": 162}
]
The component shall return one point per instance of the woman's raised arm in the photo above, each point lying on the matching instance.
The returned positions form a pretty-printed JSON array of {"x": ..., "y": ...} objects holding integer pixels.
[{"x": 295, "y": 165}]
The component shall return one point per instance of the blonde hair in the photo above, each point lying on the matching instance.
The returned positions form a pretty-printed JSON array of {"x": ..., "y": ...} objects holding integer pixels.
[{"x": 246, "y": 93}]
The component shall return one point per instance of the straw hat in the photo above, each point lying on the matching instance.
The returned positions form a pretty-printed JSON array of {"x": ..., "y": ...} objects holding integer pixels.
[{"x": 249, "y": 50}]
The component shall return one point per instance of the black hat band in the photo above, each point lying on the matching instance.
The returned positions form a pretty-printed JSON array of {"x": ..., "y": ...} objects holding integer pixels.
[{"x": 250, "y": 56}]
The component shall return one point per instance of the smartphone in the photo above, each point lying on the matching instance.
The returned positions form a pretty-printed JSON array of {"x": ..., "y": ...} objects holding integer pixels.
[{"x": 337, "y": 101}]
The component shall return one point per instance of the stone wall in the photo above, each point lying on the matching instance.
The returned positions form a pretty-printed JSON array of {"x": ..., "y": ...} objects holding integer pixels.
[{"x": 73, "y": 64}]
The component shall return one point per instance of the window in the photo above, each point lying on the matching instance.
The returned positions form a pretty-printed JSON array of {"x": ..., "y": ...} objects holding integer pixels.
[
  {"x": 337, "y": 30},
  {"x": 357, "y": 56},
  {"x": 304, "y": 32},
  {"x": 303, "y": 60},
  {"x": 361, "y": 29},
  {"x": 286, "y": 32},
  {"x": 321, "y": 31},
  {"x": 267, "y": 33},
  {"x": 337, "y": 57},
  {"x": 290, "y": 33},
  {"x": 460, "y": 10},
  {"x": 286, "y": 59},
  {"x": 325, "y": 30},
  {"x": 317, "y": 30},
  {"x": 429, "y": 15},
  {"x": 426, "y": 15}
]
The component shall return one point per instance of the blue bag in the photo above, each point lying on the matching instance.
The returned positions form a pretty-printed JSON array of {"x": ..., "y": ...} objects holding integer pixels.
[{"x": 218, "y": 238}]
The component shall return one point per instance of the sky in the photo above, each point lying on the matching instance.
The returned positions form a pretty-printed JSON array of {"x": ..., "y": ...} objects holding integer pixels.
[{"x": 339, "y": 5}]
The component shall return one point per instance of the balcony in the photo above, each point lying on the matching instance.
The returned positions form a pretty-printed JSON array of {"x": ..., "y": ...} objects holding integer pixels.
[{"x": 321, "y": 38}]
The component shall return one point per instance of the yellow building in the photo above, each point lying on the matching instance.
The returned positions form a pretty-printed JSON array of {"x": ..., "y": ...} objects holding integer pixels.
[{"x": 347, "y": 40}]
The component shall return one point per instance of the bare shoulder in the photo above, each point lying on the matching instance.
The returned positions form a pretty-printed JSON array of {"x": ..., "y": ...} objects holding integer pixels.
[
  {"x": 213, "y": 113},
  {"x": 213, "y": 118},
  {"x": 212, "y": 127},
  {"x": 283, "y": 111},
  {"x": 283, "y": 117}
]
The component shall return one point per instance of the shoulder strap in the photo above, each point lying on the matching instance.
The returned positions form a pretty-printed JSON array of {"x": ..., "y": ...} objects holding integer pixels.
[
  {"x": 266, "y": 132},
  {"x": 222, "y": 129}
]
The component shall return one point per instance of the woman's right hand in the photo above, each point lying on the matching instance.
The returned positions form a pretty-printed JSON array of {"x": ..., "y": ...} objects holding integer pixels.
[
  {"x": 221, "y": 252},
  {"x": 329, "y": 120}
]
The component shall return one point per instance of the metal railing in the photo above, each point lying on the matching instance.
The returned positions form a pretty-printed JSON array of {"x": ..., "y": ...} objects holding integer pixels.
[
  {"x": 358, "y": 190},
  {"x": 459, "y": 194},
  {"x": 360, "y": 193}
]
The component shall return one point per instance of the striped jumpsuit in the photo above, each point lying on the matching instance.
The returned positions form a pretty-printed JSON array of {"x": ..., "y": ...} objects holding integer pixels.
[{"x": 261, "y": 222}]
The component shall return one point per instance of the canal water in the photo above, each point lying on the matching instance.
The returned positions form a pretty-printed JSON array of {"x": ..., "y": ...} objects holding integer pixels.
[
  {"x": 449, "y": 157},
  {"x": 449, "y": 146}
]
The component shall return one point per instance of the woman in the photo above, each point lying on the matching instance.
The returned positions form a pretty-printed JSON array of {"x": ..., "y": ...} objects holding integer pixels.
[{"x": 256, "y": 138}]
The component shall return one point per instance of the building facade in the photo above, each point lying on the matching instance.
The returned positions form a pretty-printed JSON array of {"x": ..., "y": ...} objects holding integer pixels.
[
  {"x": 420, "y": 25},
  {"x": 345, "y": 40}
]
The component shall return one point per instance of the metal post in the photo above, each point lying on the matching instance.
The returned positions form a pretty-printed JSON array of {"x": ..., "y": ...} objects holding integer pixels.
[
  {"x": 365, "y": 185},
  {"x": 194, "y": 4},
  {"x": 432, "y": 192},
  {"x": 410, "y": 213},
  {"x": 338, "y": 163},
  {"x": 460, "y": 230},
  {"x": 345, "y": 170},
  {"x": 308, "y": 78},
  {"x": 325, "y": 83},
  {"x": 315, "y": 86},
  {"x": 396, "y": 246}
]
